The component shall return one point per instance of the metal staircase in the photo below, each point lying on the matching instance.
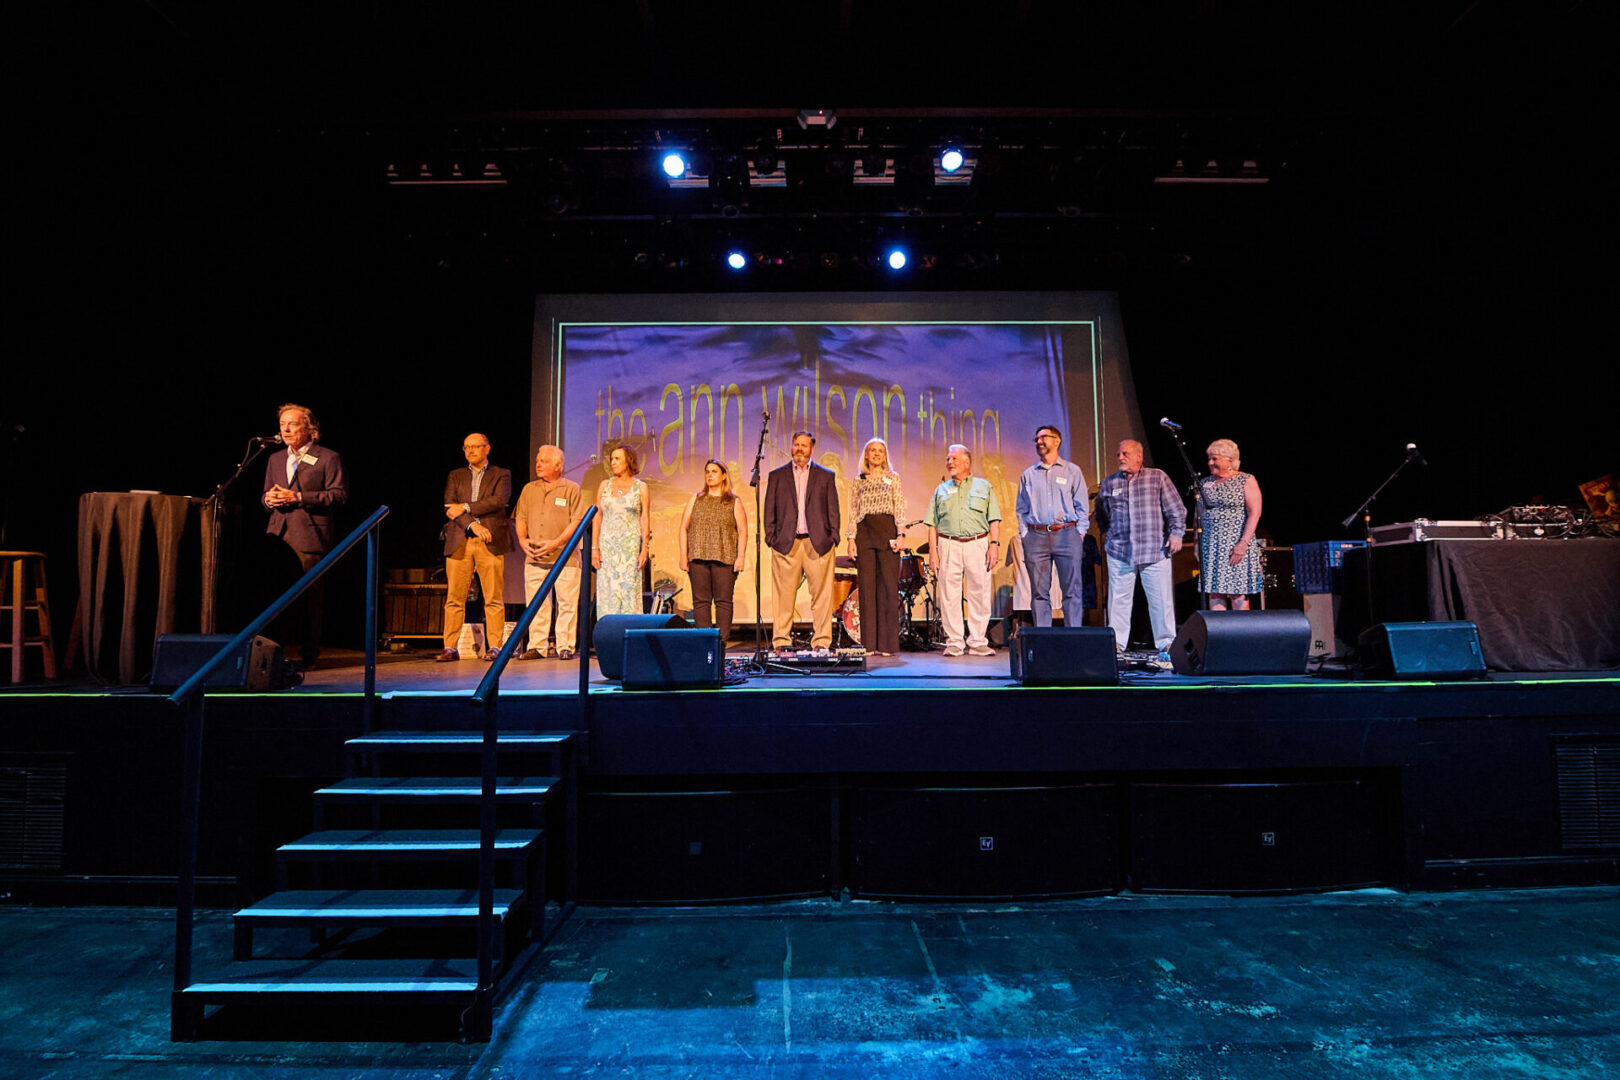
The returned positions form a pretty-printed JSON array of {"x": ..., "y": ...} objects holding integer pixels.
[{"x": 400, "y": 849}]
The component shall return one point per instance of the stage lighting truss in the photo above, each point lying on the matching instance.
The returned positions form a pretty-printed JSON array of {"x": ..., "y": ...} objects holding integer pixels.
[{"x": 466, "y": 171}]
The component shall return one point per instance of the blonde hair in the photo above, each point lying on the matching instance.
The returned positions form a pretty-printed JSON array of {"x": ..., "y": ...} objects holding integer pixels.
[
  {"x": 866, "y": 463},
  {"x": 1225, "y": 448},
  {"x": 309, "y": 419}
]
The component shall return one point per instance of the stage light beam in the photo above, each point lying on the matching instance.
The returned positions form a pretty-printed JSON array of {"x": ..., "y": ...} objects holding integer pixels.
[
  {"x": 674, "y": 166},
  {"x": 736, "y": 260},
  {"x": 951, "y": 159},
  {"x": 897, "y": 259}
]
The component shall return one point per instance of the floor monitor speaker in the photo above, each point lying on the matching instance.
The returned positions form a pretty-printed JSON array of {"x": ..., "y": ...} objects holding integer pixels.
[
  {"x": 1422, "y": 650},
  {"x": 667, "y": 659},
  {"x": 1242, "y": 643},
  {"x": 256, "y": 665},
  {"x": 1064, "y": 656}
]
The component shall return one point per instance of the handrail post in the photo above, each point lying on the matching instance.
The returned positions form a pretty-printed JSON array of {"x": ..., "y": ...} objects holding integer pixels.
[
  {"x": 587, "y": 625},
  {"x": 185, "y": 901},
  {"x": 369, "y": 706},
  {"x": 486, "y": 850}
]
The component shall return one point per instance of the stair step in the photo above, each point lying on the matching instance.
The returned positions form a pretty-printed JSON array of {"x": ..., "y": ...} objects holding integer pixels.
[
  {"x": 374, "y": 907},
  {"x": 443, "y": 789},
  {"x": 424, "y": 981},
  {"x": 407, "y": 843},
  {"x": 429, "y": 741}
]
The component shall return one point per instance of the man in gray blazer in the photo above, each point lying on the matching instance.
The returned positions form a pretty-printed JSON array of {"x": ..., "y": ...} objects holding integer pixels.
[
  {"x": 477, "y": 537},
  {"x": 303, "y": 487}
]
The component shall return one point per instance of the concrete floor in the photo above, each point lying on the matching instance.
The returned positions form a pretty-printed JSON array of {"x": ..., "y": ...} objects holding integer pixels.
[{"x": 1367, "y": 984}]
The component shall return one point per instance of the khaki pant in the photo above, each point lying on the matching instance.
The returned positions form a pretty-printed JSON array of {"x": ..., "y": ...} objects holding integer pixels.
[
  {"x": 459, "y": 568},
  {"x": 963, "y": 579},
  {"x": 564, "y": 598},
  {"x": 817, "y": 570}
]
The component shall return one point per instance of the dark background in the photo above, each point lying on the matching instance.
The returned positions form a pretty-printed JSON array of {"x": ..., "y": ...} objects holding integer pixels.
[{"x": 199, "y": 228}]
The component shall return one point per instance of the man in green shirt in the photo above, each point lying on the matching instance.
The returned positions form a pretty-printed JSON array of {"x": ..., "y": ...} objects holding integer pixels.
[{"x": 964, "y": 542}]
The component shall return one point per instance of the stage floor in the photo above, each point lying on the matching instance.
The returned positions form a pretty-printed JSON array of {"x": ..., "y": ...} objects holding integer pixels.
[
  {"x": 342, "y": 671},
  {"x": 1371, "y": 983}
]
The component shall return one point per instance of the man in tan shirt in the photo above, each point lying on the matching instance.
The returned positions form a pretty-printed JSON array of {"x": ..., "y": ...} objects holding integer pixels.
[{"x": 548, "y": 511}]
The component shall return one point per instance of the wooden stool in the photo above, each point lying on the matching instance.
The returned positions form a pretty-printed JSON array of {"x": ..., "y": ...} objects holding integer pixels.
[{"x": 15, "y": 600}]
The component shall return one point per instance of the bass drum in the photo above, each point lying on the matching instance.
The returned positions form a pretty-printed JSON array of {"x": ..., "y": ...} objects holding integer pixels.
[{"x": 850, "y": 616}]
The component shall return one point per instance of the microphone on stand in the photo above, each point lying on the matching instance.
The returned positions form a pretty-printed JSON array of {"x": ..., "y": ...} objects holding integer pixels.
[
  {"x": 1413, "y": 452},
  {"x": 267, "y": 440},
  {"x": 1166, "y": 422}
]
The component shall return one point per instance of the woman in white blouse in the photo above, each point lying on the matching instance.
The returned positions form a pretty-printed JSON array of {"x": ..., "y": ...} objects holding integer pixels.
[{"x": 878, "y": 508}]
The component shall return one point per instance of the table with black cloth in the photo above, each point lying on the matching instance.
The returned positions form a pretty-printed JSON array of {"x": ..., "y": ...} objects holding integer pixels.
[
  {"x": 163, "y": 561},
  {"x": 1540, "y": 605}
]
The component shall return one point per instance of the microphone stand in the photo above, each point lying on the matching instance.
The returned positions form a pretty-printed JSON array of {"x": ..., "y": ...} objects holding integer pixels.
[
  {"x": 1195, "y": 492},
  {"x": 216, "y": 514},
  {"x": 1364, "y": 511},
  {"x": 759, "y": 537}
]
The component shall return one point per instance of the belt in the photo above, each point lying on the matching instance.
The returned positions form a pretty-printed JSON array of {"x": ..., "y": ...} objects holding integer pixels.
[
  {"x": 1054, "y": 528},
  {"x": 801, "y": 536},
  {"x": 965, "y": 539}
]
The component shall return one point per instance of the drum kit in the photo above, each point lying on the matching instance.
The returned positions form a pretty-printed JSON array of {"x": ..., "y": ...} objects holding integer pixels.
[{"x": 916, "y": 580}]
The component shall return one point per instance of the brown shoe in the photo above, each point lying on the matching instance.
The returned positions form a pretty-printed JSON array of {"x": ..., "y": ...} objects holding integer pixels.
[
  {"x": 528, "y": 654},
  {"x": 449, "y": 656},
  {"x": 565, "y": 654}
]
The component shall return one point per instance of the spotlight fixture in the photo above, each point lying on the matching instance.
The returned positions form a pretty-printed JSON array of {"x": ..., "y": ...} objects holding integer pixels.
[
  {"x": 766, "y": 160},
  {"x": 817, "y": 118},
  {"x": 896, "y": 259},
  {"x": 951, "y": 159},
  {"x": 674, "y": 165},
  {"x": 736, "y": 260}
]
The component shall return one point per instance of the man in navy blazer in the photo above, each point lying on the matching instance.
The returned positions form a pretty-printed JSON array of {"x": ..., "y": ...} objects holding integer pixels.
[
  {"x": 801, "y": 527},
  {"x": 303, "y": 487},
  {"x": 477, "y": 537}
]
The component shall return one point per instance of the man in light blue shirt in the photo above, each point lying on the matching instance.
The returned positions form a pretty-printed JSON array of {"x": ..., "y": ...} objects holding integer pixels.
[{"x": 1052, "y": 520}]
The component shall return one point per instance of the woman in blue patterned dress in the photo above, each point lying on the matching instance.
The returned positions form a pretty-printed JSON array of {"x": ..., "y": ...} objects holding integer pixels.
[
  {"x": 620, "y": 548},
  {"x": 1229, "y": 508}
]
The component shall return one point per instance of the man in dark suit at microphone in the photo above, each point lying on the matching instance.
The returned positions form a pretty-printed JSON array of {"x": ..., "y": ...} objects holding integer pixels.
[
  {"x": 801, "y": 528},
  {"x": 477, "y": 537},
  {"x": 303, "y": 487}
]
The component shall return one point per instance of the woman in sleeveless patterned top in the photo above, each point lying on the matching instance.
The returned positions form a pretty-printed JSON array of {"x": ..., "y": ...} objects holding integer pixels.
[
  {"x": 1229, "y": 508},
  {"x": 620, "y": 548},
  {"x": 713, "y": 540}
]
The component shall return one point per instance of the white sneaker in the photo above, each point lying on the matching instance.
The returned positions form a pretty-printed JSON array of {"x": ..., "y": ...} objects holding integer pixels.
[
  {"x": 953, "y": 650},
  {"x": 981, "y": 650}
]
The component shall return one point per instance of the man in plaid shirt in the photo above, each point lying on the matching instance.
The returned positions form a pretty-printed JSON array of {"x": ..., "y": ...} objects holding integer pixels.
[{"x": 1143, "y": 516}]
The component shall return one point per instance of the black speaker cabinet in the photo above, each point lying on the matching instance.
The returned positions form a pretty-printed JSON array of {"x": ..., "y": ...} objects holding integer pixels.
[
  {"x": 608, "y": 638},
  {"x": 1422, "y": 650},
  {"x": 985, "y": 843},
  {"x": 661, "y": 659},
  {"x": 700, "y": 846},
  {"x": 1064, "y": 656},
  {"x": 1258, "y": 837},
  {"x": 1242, "y": 643},
  {"x": 257, "y": 665}
]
